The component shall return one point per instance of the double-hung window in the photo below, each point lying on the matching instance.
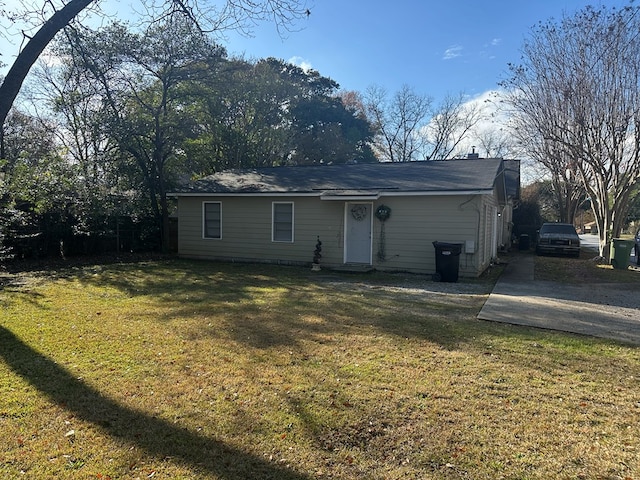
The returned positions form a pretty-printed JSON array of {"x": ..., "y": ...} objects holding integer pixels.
[
  {"x": 212, "y": 220},
  {"x": 282, "y": 222}
]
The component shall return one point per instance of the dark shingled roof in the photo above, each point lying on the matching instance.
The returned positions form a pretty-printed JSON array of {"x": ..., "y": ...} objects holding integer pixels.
[{"x": 359, "y": 179}]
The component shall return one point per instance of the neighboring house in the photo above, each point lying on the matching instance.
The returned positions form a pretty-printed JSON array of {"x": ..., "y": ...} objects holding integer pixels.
[
  {"x": 591, "y": 227},
  {"x": 276, "y": 214}
]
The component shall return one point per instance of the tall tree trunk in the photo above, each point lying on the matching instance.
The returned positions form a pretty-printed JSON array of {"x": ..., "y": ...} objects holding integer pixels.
[{"x": 34, "y": 47}]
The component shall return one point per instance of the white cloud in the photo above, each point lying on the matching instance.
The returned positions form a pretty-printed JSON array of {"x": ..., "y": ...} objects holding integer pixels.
[
  {"x": 301, "y": 62},
  {"x": 485, "y": 53},
  {"x": 495, "y": 126},
  {"x": 452, "y": 52}
]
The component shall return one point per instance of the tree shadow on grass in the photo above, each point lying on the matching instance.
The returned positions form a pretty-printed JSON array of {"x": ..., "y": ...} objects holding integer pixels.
[
  {"x": 267, "y": 305},
  {"x": 156, "y": 436}
]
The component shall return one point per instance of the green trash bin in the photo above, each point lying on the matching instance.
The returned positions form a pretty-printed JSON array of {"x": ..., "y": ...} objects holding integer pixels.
[{"x": 619, "y": 253}]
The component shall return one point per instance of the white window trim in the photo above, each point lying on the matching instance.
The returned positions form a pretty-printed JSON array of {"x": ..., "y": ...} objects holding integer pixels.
[
  {"x": 204, "y": 221},
  {"x": 273, "y": 221}
]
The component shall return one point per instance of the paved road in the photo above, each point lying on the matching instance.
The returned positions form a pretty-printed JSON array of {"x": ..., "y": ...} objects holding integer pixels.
[
  {"x": 604, "y": 310},
  {"x": 592, "y": 242}
]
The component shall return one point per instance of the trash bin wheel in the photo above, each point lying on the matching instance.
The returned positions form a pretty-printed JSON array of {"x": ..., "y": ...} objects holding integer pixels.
[{"x": 436, "y": 277}]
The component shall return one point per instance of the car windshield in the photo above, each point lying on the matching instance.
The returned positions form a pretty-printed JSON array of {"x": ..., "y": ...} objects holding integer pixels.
[{"x": 559, "y": 228}]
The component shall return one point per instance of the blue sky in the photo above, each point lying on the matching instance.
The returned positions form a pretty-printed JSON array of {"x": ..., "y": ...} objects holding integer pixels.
[{"x": 435, "y": 46}]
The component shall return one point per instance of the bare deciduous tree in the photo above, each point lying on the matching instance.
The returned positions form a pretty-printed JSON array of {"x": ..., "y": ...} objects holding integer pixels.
[
  {"x": 410, "y": 128},
  {"x": 451, "y": 122},
  {"x": 577, "y": 90},
  {"x": 558, "y": 163},
  {"x": 398, "y": 122},
  {"x": 497, "y": 143}
]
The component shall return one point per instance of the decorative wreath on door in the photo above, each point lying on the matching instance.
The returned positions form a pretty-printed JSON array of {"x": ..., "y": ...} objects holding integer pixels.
[{"x": 359, "y": 212}]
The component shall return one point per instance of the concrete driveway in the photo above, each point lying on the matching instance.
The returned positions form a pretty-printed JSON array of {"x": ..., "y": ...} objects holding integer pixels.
[{"x": 602, "y": 310}]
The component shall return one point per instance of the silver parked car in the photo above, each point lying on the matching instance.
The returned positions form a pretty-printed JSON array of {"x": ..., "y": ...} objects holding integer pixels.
[{"x": 559, "y": 238}]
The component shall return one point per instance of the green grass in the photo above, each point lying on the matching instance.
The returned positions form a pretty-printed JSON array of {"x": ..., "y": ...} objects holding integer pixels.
[{"x": 196, "y": 370}]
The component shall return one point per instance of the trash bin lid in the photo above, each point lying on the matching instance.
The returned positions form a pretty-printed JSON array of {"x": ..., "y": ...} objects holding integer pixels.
[{"x": 449, "y": 248}]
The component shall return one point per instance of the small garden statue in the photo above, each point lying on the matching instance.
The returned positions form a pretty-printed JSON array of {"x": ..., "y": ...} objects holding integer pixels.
[{"x": 317, "y": 256}]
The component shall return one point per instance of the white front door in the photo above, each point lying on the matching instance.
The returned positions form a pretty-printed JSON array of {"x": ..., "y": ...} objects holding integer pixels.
[{"x": 357, "y": 241}]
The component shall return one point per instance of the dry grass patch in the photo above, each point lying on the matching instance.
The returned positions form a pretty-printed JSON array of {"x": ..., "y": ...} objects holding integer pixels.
[
  {"x": 177, "y": 369},
  {"x": 583, "y": 270}
]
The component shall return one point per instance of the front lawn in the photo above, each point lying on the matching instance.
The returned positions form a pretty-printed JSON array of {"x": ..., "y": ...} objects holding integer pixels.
[{"x": 174, "y": 369}]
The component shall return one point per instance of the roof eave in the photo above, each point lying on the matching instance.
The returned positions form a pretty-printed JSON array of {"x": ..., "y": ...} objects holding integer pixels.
[{"x": 324, "y": 196}]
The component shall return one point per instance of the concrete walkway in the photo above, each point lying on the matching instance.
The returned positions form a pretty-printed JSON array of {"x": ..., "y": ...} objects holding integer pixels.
[{"x": 600, "y": 310}]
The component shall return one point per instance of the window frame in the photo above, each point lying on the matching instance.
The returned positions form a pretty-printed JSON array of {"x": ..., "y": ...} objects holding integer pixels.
[
  {"x": 204, "y": 220},
  {"x": 273, "y": 222}
]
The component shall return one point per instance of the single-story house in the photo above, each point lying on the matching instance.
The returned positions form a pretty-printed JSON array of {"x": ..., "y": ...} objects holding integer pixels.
[{"x": 382, "y": 216}]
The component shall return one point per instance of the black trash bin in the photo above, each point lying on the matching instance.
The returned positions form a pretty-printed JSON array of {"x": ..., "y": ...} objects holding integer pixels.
[
  {"x": 447, "y": 261},
  {"x": 524, "y": 242}
]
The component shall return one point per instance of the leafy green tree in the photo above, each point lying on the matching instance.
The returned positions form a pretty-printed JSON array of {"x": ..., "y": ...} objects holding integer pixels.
[
  {"x": 5, "y": 217},
  {"x": 24, "y": 136},
  {"x": 634, "y": 210},
  {"x": 143, "y": 82},
  {"x": 529, "y": 215},
  {"x": 270, "y": 112},
  {"x": 136, "y": 113},
  {"x": 549, "y": 200},
  {"x": 39, "y": 26},
  {"x": 23, "y": 140},
  {"x": 242, "y": 117},
  {"x": 40, "y": 188},
  {"x": 324, "y": 130},
  {"x": 77, "y": 120}
]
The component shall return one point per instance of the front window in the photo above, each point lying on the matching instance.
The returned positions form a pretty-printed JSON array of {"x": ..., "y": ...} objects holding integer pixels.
[
  {"x": 282, "y": 229},
  {"x": 212, "y": 221}
]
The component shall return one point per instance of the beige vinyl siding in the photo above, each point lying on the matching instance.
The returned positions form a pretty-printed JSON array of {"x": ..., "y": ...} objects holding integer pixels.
[
  {"x": 247, "y": 230},
  {"x": 415, "y": 223}
]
